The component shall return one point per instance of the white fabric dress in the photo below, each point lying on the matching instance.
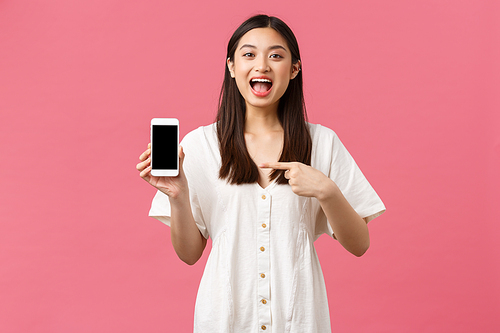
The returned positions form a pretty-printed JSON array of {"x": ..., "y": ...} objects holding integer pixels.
[{"x": 263, "y": 273}]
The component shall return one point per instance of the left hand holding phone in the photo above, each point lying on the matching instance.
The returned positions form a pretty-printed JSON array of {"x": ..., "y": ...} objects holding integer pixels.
[
  {"x": 186, "y": 238},
  {"x": 174, "y": 187}
]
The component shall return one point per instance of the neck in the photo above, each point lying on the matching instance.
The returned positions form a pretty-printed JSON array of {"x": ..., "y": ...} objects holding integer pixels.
[{"x": 262, "y": 119}]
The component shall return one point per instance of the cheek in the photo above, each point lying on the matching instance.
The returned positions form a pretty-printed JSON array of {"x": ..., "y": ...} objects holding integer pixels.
[
  {"x": 284, "y": 82},
  {"x": 240, "y": 83},
  {"x": 240, "y": 75},
  {"x": 284, "y": 73}
]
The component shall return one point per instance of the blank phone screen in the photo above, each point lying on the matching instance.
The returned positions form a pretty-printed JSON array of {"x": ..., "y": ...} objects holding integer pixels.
[{"x": 164, "y": 146}]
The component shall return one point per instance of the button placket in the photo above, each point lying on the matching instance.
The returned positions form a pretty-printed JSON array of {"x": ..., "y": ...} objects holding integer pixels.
[{"x": 263, "y": 259}]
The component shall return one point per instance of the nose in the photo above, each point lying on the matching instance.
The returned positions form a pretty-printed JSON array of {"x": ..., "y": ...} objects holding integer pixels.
[{"x": 262, "y": 65}]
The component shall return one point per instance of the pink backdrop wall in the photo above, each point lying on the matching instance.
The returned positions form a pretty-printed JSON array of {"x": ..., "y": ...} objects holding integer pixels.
[{"x": 411, "y": 87}]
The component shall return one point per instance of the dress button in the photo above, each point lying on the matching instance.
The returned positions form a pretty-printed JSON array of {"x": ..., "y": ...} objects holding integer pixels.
[
  {"x": 264, "y": 225},
  {"x": 263, "y": 327},
  {"x": 262, "y": 249},
  {"x": 264, "y": 301},
  {"x": 263, "y": 197},
  {"x": 263, "y": 275}
]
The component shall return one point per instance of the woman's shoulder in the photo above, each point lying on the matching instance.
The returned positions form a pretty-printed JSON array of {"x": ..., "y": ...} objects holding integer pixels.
[
  {"x": 321, "y": 134},
  {"x": 200, "y": 135},
  {"x": 201, "y": 144}
]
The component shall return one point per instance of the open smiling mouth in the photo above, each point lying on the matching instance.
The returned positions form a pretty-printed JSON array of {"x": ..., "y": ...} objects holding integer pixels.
[{"x": 261, "y": 87}]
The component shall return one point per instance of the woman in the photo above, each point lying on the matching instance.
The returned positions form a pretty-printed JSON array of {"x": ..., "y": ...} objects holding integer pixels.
[{"x": 264, "y": 184}]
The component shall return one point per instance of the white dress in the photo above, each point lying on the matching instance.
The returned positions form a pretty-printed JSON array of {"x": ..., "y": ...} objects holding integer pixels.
[{"x": 263, "y": 273}]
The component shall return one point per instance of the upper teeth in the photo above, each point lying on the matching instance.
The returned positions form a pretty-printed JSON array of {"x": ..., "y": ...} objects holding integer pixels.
[{"x": 261, "y": 80}]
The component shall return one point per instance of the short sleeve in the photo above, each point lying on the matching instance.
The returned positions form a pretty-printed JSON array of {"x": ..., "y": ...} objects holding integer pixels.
[
  {"x": 357, "y": 190},
  {"x": 160, "y": 207},
  {"x": 337, "y": 163},
  {"x": 160, "y": 210}
]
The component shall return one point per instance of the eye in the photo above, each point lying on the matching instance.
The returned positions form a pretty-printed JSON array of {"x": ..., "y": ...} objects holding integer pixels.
[
  {"x": 248, "y": 54},
  {"x": 276, "y": 56}
]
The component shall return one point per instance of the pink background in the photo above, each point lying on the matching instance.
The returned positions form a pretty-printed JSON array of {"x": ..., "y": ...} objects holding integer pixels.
[{"x": 411, "y": 87}]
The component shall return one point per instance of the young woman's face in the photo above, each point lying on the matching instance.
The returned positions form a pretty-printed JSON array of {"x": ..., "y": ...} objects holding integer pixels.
[{"x": 262, "y": 67}]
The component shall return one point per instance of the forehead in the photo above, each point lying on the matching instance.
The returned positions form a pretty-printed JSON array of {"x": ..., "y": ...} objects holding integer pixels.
[{"x": 262, "y": 38}]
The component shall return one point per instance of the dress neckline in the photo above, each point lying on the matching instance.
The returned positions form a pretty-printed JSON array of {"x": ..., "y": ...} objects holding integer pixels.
[{"x": 268, "y": 187}]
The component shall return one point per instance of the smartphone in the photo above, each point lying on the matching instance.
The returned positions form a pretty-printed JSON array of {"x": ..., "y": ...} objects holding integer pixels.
[{"x": 164, "y": 147}]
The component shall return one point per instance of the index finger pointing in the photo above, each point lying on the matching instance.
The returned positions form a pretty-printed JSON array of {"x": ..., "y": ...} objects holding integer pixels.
[{"x": 276, "y": 165}]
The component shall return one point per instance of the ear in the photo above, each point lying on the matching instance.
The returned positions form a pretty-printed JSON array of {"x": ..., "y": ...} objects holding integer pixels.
[
  {"x": 230, "y": 66},
  {"x": 296, "y": 69}
]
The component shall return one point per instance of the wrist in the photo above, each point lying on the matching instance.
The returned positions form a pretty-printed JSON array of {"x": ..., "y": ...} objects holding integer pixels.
[
  {"x": 178, "y": 199},
  {"x": 327, "y": 191}
]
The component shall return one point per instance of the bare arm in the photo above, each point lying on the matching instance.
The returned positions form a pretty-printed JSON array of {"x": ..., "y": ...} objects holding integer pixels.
[
  {"x": 348, "y": 227},
  {"x": 186, "y": 238}
]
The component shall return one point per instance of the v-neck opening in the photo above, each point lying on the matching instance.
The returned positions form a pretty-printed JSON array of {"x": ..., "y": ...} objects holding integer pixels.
[{"x": 268, "y": 187}]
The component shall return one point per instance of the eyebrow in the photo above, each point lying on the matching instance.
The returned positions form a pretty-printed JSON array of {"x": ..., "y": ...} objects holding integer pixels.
[{"x": 274, "y": 47}]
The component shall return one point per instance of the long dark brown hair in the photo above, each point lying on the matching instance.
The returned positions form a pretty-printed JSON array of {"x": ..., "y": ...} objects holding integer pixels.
[{"x": 237, "y": 166}]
